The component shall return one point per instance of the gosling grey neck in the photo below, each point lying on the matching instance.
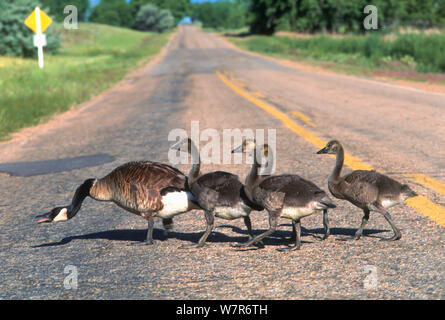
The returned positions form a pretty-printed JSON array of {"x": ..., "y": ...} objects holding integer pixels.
[
  {"x": 196, "y": 164},
  {"x": 253, "y": 176},
  {"x": 339, "y": 159}
]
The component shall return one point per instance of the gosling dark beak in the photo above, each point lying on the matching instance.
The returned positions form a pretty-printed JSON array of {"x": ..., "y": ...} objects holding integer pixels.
[
  {"x": 322, "y": 151},
  {"x": 45, "y": 218},
  {"x": 238, "y": 150},
  {"x": 175, "y": 147}
]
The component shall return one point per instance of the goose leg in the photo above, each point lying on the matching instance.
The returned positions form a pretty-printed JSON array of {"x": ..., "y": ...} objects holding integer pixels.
[
  {"x": 168, "y": 225},
  {"x": 248, "y": 224},
  {"x": 296, "y": 226},
  {"x": 327, "y": 231},
  {"x": 365, "y": 219},
  {"x": 149, "y": 238},
  {"x": 273, "y": 221},
  {"x": 210, "y": 220},
  {"x": 293, "y": 236},
  {"x": 397, "y": 234}
]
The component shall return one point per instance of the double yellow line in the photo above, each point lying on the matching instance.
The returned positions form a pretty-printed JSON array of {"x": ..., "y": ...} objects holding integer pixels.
[{"x": 421, "y": 204}]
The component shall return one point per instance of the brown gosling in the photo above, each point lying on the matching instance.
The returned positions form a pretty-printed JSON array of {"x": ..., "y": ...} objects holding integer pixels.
[{"x": 368, "y": 190}]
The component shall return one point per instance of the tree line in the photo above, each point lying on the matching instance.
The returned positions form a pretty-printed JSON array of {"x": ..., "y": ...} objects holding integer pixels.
[{"x": 267, "y": 16}]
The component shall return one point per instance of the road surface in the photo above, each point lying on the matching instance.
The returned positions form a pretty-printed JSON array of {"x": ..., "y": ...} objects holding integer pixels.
[{"x": 398, "y": 131}]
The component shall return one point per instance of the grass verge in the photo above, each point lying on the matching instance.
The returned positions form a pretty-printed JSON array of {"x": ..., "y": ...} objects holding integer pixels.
[
  {"x": 406, "y": 56},
  {"x": 91, "y": 60}
]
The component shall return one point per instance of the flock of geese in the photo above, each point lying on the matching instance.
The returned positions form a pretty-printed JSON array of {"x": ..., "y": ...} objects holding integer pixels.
[{"x": 152, "y": 189}]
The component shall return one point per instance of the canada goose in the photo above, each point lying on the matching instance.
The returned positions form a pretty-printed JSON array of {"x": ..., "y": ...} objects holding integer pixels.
[
  {"x": 287, "y": 196},
  {"x": 368, "y": 190},
  {"x": 220, "y": 194},
  {"x": 146, "y": 188}
]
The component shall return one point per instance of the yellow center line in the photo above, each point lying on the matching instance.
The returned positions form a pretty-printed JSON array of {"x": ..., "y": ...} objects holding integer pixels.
[
  {"x": 239, "y": 83},
  {"x": 419, "y": 203},
  {"x": 259, "y": 94},
  {"x": 303, "y": 118},
  {"x": 428, "y": 182}
]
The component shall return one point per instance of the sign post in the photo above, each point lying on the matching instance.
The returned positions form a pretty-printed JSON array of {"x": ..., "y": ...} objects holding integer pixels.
[{"x": 38, "y": 21}]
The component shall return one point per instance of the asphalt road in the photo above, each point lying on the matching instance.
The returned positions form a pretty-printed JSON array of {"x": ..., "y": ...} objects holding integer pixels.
[{"x": 398, "y": 131}]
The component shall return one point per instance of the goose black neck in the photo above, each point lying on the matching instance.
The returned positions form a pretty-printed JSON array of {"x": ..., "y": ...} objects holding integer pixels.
[{"x": 81, "y": 193}]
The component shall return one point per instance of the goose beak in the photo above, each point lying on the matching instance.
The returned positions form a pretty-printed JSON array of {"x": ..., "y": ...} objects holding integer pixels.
[
  {"x": 323, "y": 151},
  {"x": 57, "y": 214},
  {"x": 238, "y": 150},
  {"x": 176, "y": 147},
  {"x": 45, "y": 218}
]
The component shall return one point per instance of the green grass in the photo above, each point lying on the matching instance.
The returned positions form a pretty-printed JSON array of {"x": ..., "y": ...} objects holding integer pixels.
[
  {"x": 419, "y": 52},
  {"x": 92, "y": 59}
]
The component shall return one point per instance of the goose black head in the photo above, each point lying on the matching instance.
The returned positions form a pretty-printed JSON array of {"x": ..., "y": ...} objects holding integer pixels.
[
  {"x": 332, "y": 147},
  {"x": 56, "y": 214}
]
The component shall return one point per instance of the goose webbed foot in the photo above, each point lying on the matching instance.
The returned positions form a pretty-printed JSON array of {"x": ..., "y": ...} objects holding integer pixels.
[
  {"x": 290, "y": 248},
  {"x": 395, "y": 237},
  {"x": 258, "y": 244},
  {"x": 141, "y": 243},
  {"x": 347, "y": 238},
  {"x": 193, "y": 245}
]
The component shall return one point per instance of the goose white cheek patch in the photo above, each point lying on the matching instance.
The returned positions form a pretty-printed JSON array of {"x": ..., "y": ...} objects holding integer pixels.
[{"x": 62, "y": 215}]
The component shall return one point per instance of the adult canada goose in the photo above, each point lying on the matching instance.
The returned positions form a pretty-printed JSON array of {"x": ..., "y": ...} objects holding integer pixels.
[
  {"x": 220, "y": 194},
  {"x": 146, "y": 188},
  {"x": 368, "y": 190},
  {"x": 287, "y": 196}
]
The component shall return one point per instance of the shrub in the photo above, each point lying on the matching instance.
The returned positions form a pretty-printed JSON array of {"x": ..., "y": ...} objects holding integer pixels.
[
  {"x": 150, "y": 18},
  {"x": 15, "y": 38}
]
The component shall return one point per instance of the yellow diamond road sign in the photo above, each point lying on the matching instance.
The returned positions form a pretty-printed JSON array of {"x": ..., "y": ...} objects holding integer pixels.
[{"x": 31, "y": 21}]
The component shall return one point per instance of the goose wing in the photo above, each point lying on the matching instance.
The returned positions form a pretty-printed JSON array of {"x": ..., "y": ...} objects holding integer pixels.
[
  {"x": 365, "y": 186},
  {"x": 292, "y": 189},
  {"x": 138, "y": 185},
  {"x": 217, "y": 188}
]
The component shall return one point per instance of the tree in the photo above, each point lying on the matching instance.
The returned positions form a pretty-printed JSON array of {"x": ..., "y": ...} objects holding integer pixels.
[
  {"x": 264, "y": 15},
  {"x": 220, "y": 14},
  {"x": 178, "y": 8},
  {"x": 150, "y": 18},
  {"x": 15, "y": 38},
  {"x": 113, "y": 12},
  {"x": 56, "y": 7}
]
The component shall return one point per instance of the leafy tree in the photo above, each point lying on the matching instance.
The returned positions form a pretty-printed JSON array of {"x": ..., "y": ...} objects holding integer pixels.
[
  {"x": 113, "y": 12},
  {"x": 340, "y": 15},
  {"x": 15, "y": 38},
  {"x": 178, "y": 8},
  {"x": 57, "y": 6},
  {"x": 220, "y": 14},
  {"x": 264, "y": 15},
  {"x": 150, "y": 18}
]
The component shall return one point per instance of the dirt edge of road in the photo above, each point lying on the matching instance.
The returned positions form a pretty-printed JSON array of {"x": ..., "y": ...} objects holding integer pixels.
[
  {"x": 19, "y": 138},
  {"x": 435, "y": 88}
]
